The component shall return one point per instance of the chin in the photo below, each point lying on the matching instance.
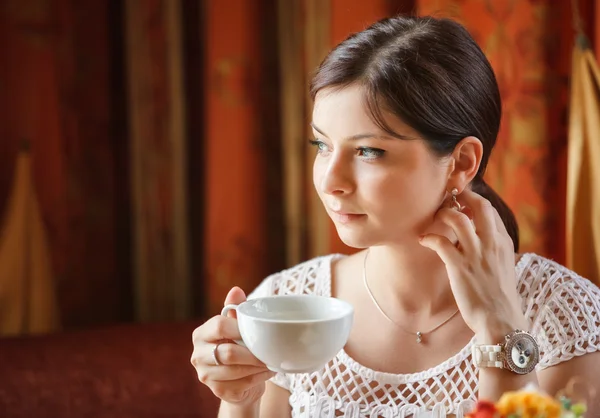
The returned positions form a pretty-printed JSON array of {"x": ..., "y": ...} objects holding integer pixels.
[
  {"x": 355, "y": 239},
  {"x": 365, "y": 237}
]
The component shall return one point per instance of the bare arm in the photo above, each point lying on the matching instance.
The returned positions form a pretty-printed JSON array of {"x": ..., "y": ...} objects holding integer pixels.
[
  {"x": 494, "y": 382},
  {"x": 228, "y": 410},
  {"x": 273, "y": 404}
]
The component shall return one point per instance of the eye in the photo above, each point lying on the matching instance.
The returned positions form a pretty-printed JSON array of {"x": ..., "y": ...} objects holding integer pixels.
[
  {"x": 370, "y": 153},
  {"x": 319, "y": 145}
]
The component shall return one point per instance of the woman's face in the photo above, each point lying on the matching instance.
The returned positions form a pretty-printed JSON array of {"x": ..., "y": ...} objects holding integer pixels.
[{"x": 377, "y": 189}]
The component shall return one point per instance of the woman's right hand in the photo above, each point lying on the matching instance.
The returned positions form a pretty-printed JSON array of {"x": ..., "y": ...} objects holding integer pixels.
[{"x": 239, "y": 378}]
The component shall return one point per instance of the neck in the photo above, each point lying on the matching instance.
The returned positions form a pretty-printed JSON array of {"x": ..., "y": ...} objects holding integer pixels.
[{"x": 408, "y": 281}]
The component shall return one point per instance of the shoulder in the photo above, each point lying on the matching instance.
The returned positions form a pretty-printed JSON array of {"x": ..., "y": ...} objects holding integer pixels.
[
  {"x": 562, "y": 306},
  {"x": 542, "y": 270},
  {"x": 309, "y": 277},
  {"x": 541, "y": 280}
]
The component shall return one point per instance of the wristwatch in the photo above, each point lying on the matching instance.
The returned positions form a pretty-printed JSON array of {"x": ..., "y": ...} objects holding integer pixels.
[{"x": 519, "y": 353}]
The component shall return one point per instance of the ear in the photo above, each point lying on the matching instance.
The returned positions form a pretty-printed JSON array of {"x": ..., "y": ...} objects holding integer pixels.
[{"x": 466, "y": 159}]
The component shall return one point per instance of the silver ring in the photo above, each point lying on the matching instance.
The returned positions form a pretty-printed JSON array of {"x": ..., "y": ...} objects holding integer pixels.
[{"x": 214, "y": 354}]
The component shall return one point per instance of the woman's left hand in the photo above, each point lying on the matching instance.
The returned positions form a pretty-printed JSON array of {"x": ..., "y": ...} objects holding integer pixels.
[{"x": 481, "y": 267}]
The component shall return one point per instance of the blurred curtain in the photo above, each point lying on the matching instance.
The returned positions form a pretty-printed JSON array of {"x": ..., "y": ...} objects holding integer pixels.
[
  {"x": 158, "y": 162},
  {"x": 304, "y": 28},
  {"x": 57, "y": 76},
  {"x": 240, "y": 152},
  {"x": 583, "y": 187},
  {"x": 27, "y": 287}
]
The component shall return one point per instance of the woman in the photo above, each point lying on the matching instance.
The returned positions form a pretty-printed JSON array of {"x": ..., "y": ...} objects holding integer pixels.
[{"x": 406, "y": 114}]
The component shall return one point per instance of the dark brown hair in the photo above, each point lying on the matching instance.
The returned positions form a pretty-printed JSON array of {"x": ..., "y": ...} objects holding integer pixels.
[{"x": 431, "y": 74}]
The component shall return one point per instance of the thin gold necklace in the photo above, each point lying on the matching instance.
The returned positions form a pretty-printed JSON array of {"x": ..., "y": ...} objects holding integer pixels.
[{"x": 418, "y": 334}]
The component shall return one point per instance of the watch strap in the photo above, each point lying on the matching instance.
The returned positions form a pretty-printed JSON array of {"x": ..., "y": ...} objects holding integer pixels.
[{"x": 487, "y": 356}]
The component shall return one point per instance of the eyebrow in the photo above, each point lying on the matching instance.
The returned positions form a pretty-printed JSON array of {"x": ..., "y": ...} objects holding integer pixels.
[{"x": 364, "y": 135}]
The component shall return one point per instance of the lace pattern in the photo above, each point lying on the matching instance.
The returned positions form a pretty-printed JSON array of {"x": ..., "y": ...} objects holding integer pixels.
[{"x": 563, "y": 308}]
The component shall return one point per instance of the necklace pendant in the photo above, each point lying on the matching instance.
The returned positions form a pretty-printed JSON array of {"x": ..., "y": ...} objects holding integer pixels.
[{"x": 419, "y": 337}]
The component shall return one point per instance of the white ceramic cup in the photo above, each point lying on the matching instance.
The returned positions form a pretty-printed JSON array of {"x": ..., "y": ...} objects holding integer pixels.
[{"x": 294, "y": 333}]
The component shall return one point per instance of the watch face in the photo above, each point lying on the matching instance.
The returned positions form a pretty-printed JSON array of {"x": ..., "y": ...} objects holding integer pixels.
[{"x": 522, "y": 353}]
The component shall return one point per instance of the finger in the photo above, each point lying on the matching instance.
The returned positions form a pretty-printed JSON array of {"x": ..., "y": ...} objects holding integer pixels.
[
  {"x": 503, "y": 233},
  {"x": 447, "y": 251},
  {"x": 217, "y": 328},
  {"x": 234, "y": 297},
  {"x": 462, "y": 227},
  {"x": 483, "y": 213},
  {"x": 222, "y": 388},
  {"x": 229, "y": 354},
  {"x": 469, "y": 213},
  {"x": 230, "y": 373},
  {"x": 499, "y": 223}
]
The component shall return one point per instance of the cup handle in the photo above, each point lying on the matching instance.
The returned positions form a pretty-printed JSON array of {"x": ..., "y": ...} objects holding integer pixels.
[{"x": 224, "y": 312}]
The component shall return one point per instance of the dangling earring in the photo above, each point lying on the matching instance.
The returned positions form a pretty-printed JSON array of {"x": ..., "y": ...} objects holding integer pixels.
[{"x": 455, "y": 205}]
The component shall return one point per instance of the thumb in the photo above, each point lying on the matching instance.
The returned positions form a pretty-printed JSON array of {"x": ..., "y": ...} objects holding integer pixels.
[{"x": 235, "y": 297}]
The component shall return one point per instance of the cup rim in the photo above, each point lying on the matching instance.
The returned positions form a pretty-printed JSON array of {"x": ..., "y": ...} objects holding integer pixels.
[{"x": 348, "y": 310}]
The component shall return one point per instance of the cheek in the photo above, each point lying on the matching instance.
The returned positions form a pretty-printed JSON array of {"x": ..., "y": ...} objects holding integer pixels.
[
  {"x": 407, "y": 202},
  {"x": 317, "y": 174},
  {"x": 409, "y": 196}
]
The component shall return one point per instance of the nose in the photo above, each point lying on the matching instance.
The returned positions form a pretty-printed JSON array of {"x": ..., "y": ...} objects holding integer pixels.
[{"x": 335, "y": 176}]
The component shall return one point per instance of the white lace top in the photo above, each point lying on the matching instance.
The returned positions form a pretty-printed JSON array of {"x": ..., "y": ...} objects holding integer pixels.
[{"x": 562, "y": 307}]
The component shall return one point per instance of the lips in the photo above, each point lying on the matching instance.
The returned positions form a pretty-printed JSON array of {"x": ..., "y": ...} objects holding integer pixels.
[{"x": 346, "y": 217}]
